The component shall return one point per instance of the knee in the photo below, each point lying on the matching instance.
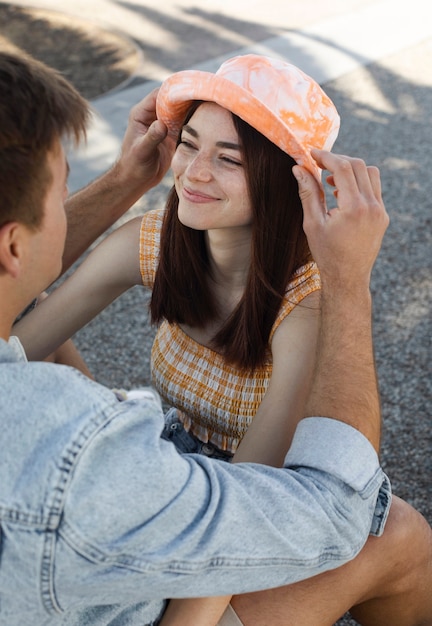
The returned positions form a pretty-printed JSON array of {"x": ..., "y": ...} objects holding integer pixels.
[
  {"x": 409, "y": 525},
  {"x": 408, "y": 543}
]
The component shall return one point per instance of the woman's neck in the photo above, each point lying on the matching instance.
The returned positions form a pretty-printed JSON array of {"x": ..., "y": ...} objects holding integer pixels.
[{"x": 229, "y": 254}]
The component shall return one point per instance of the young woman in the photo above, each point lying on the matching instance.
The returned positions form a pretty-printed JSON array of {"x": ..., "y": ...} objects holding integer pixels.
[{"x": 235, "y": 292}]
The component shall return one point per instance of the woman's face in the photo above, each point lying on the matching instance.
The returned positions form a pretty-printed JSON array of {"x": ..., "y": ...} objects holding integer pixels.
[{"x": 208, "y": 172}]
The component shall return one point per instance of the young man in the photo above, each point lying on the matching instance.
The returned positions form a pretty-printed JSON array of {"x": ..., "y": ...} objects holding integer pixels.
[
  {"x": 143, "y": 161},
  {"x": 101, "y": 520}
]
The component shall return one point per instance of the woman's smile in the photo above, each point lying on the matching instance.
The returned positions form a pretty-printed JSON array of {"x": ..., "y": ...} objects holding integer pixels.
[
  {"x": 193, "y": 195},
  {"x": 208, "y": 171}
]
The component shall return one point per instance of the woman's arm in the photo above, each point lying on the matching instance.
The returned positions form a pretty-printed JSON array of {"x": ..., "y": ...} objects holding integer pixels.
[
  {"x": 269, "y": 437},
  {"x": 111, "y": 269}
]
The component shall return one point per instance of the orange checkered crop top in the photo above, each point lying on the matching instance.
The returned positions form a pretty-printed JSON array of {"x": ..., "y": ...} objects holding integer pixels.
[{"x": 215, "y": 400}]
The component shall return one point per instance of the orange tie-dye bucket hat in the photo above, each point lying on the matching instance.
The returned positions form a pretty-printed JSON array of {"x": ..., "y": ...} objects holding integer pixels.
[{"x": 276, "y": 98}]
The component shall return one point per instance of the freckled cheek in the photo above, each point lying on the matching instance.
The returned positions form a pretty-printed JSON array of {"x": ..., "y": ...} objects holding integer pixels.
[{"x": 178, "y": 164}]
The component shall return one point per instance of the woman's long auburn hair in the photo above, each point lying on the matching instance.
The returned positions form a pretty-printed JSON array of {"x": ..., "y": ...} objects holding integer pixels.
[{"x": 181, "y": 292}]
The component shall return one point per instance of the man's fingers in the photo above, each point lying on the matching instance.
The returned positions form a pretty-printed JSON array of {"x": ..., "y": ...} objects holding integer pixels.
[
  {"x": 346, "y": 175},
  {"x": 375, "y": 178},
  {"x": 310, "y": 195},
  {"x": 157, "y": 132},
  {"x": 353, "y": 180},
  {"x": 354, "y": 230},
  {"x": 145, "y": 111}
]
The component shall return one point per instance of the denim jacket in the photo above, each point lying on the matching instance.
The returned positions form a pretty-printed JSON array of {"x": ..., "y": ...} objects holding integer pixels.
[{"x": 101, "y": 519}]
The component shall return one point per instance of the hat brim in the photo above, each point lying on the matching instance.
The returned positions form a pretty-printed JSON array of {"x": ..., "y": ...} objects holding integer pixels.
[{"x": 179, "y": 90}]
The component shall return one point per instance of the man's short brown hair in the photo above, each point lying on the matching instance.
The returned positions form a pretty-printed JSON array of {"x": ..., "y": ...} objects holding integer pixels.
[{"x": 38, "y": 107}]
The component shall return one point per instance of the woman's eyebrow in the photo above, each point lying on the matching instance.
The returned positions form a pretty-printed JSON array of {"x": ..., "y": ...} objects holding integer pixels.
[
  {"x": 220, "y": 144},
  {"x": 229, "y": 145},
  {"x": 190, "y": 130}
]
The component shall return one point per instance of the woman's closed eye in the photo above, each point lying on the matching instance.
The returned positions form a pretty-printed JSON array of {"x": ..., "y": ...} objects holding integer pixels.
[
  {"x": 187, "y": 144},
  {"x": 231, "y": 160}
]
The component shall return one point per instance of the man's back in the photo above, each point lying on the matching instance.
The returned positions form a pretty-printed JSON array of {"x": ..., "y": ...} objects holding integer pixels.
[{"x": 47, "y": 424}]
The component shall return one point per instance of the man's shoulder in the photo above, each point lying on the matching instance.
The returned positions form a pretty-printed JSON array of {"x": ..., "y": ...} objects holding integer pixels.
[
  {"x": 49, "y": 414},
  {"x": 48, "y": 383},
  {"x": 49, "y": 402}
]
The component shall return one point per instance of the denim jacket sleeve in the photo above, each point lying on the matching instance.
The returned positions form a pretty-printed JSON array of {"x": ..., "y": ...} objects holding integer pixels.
[
  {"x": 142, "y": 522},
  {"x": 101, "y": 519}
]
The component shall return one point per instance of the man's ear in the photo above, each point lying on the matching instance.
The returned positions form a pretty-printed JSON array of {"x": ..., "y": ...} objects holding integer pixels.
[{"x": 13, "y": 238}]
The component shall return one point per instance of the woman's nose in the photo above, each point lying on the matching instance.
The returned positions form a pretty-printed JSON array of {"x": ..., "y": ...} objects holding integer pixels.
[{"x": 199, "y": 167}]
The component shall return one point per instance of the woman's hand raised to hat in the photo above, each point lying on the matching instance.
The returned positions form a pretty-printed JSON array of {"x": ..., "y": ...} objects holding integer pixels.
[{"x": 345, "y": 240}]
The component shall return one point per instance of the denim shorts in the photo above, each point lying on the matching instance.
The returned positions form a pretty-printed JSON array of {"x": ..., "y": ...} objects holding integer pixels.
[{"x": 186, "y": 442}]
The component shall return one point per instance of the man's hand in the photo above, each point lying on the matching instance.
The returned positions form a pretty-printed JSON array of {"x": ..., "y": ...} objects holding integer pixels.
[
  {"x": 145, "y": 158},
  {"x": 345, "y": 240},
  {"x": 146, "y": 149}
]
